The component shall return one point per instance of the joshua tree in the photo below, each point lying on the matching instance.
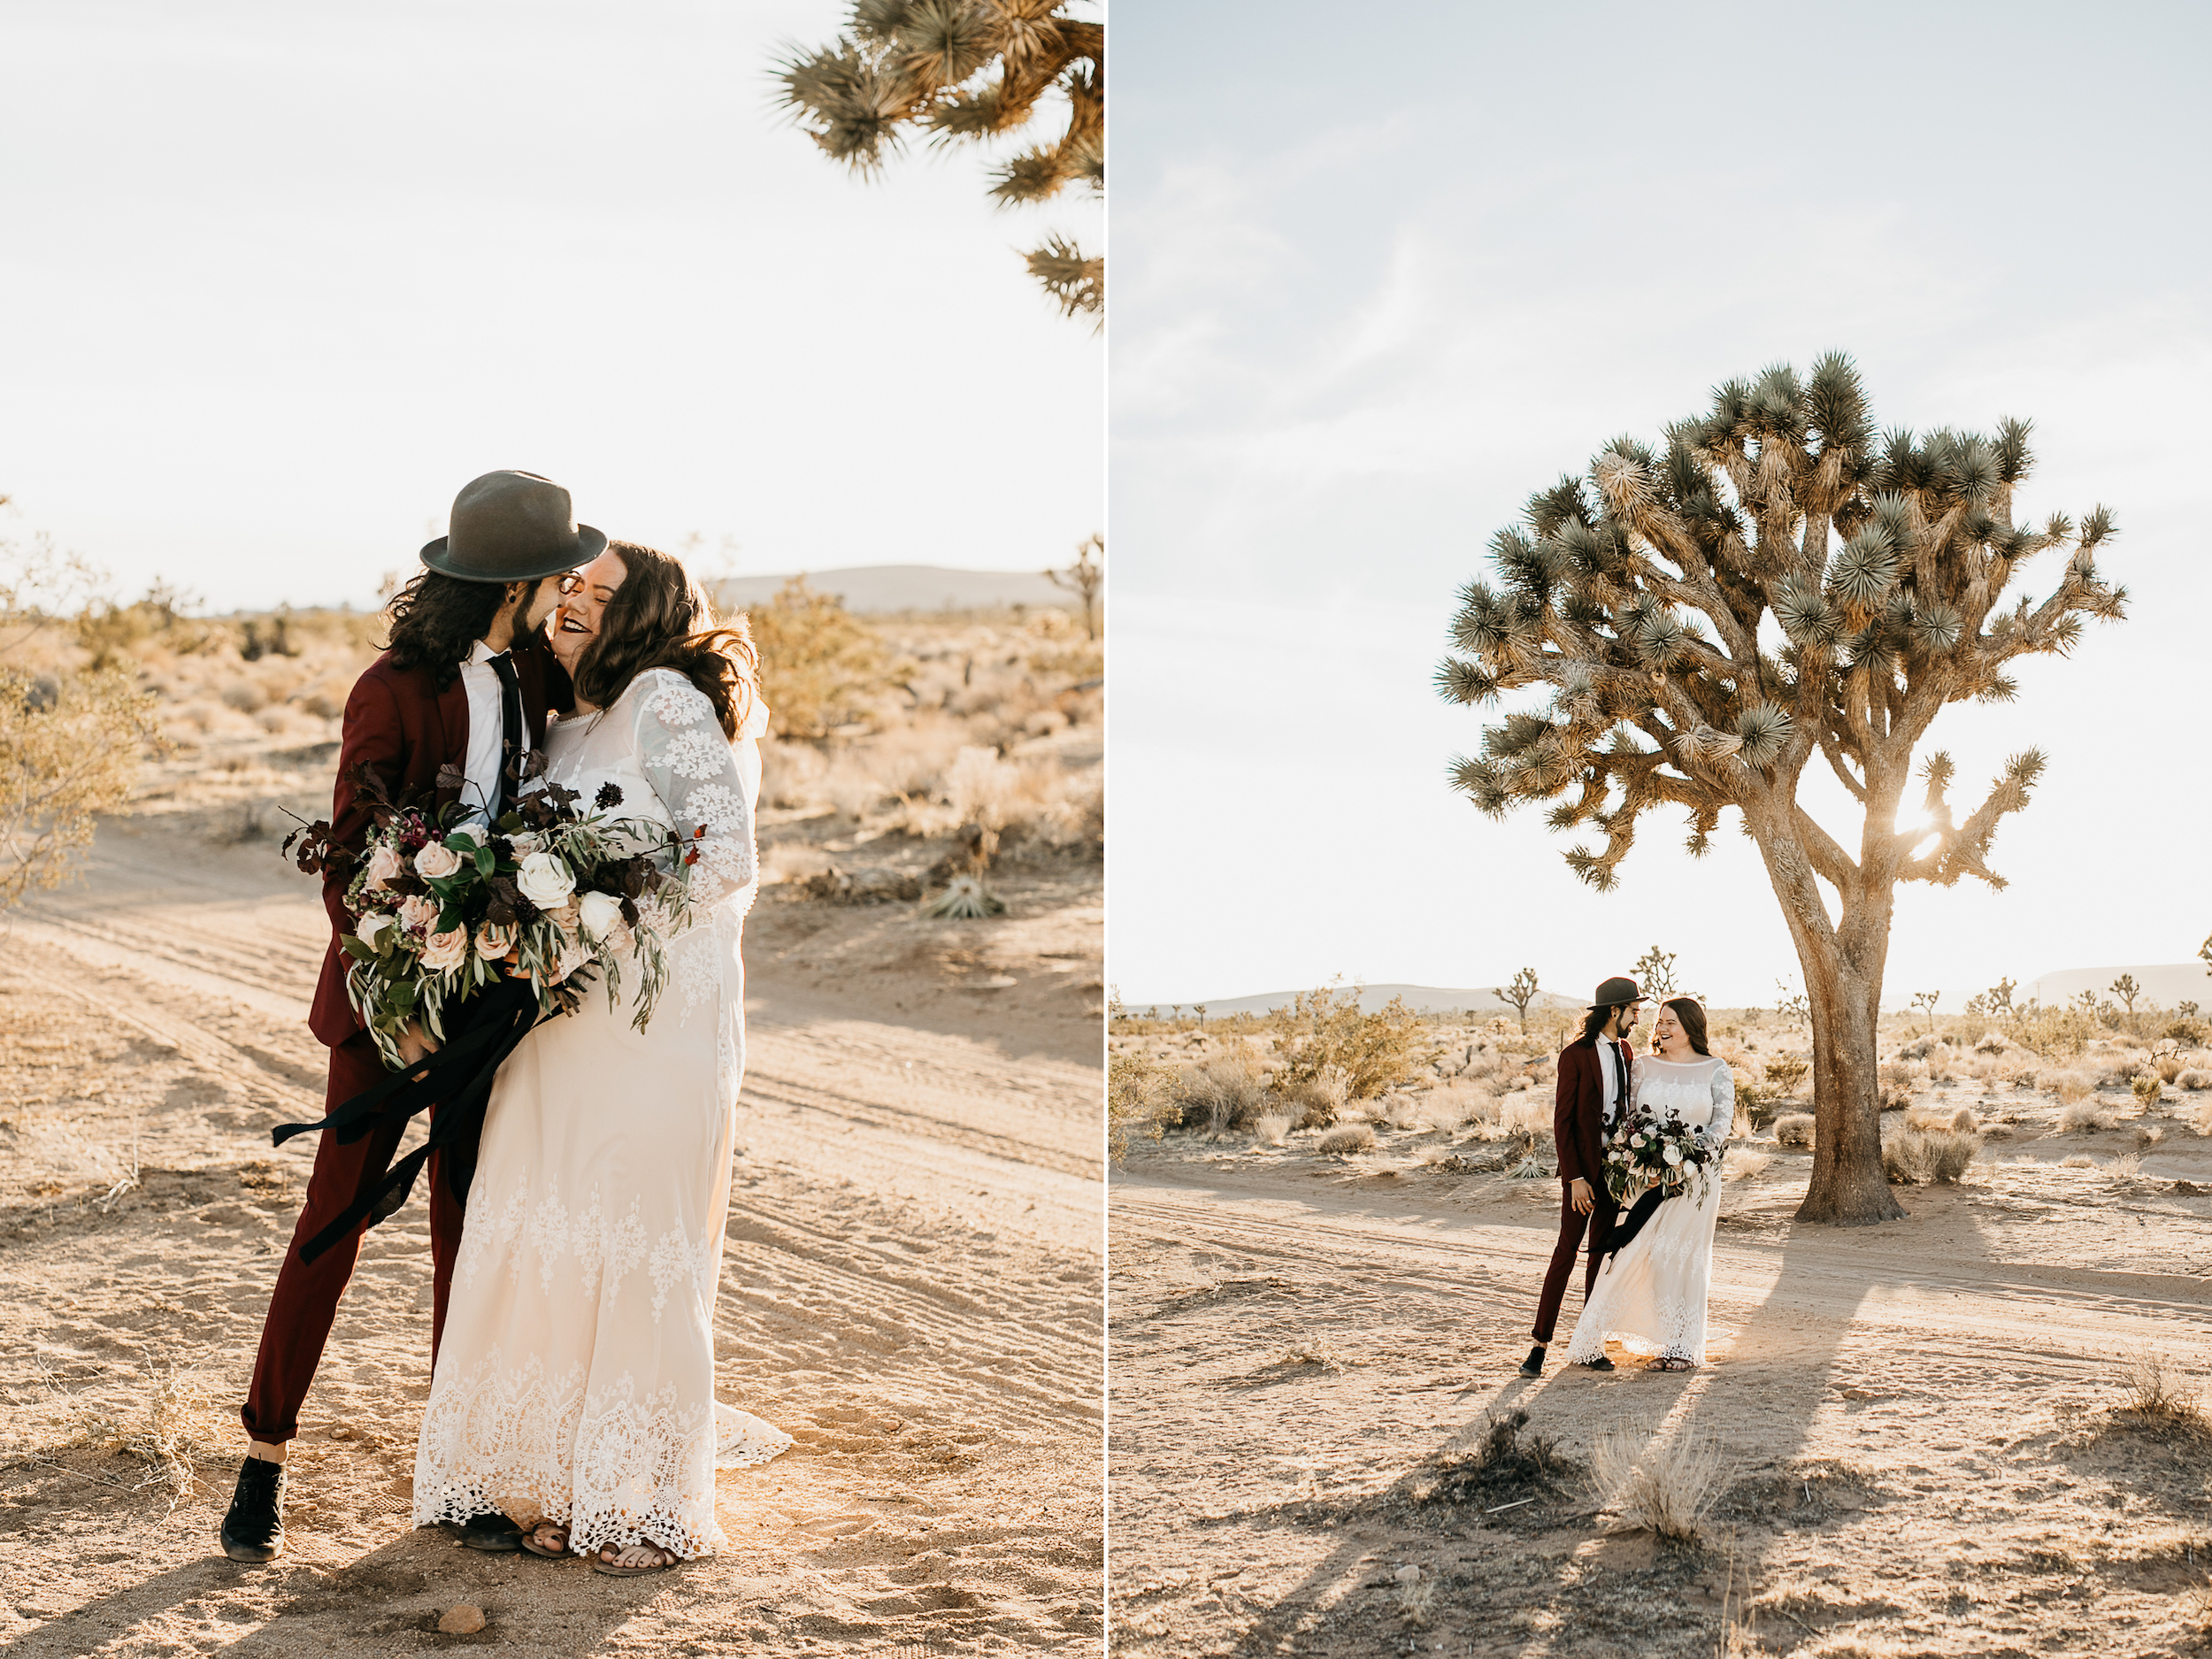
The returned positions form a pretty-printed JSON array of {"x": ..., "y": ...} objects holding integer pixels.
[
  {"x": 2125, "y": 988},
  {"x": 1791, "y": 1006},
  {"x": 1640, "y": 597},
  {"x": 1928, "y": 1000},
  {"x": 1654, "y": 972},
  {"x": 1084, "y": 579},
  {"x": 967, "y": 72},
  {"x": 1520, "y": 993}
]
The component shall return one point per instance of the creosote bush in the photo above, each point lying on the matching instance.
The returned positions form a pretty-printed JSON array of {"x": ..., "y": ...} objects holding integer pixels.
[{"x": 1324, "y": 1030}]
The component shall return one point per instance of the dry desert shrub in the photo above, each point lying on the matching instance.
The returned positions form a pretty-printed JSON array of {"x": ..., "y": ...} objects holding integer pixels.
[
  {"x": 1326, "y": 1029},
  {"x": 2194, "y": 1079},
  {"x": 1347, "y": 1138},
  {"x": 1961, "y": 1119},
  {"x": 1895, "y": 1081},
  {"x": 1403, "y": 1111},
  {"x": 2149, "y": 1134},
  {"x": 2083, "y": 1117},
  {"x": 1529, "y": 1113},
  {"x": 172, "y": 1425},
  {"x": 1136, "y": 1099},
  {"x": 2158, "y": 1389},
  {"x": 1313, "y": 1102},
  {"x": 1417, "y": 1596},
  {"x": 1225, "y": 1093},
  {"x": 1462, "y": 1102},
  {"x": 1927, "y": 1156},
  {"x": 2126, "y": 1166},
  {"x": 1741, "y": 1164},
  {"x": 2078, "y": 1161},
  {"x": 2146, "y": 1087},
  {"x": 1794, "y": 1129},
  {"x": 1496, "y": 1464},
  {"x": 1662, "y": 1486},
  {"x": 2170, "y": 1066},
  {"x": 2072, "y": 1085},
  {"x": 1269, "y": 1128}
]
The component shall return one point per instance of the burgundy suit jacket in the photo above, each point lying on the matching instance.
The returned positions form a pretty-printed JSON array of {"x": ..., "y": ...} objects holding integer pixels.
[
  {"x": 403, "y": 729},
  {"x": 1578, "y": 1114}
]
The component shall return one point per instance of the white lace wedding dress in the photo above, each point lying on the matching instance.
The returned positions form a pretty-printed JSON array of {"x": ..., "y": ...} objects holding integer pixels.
[
  {"x": 1651, "y": 1294},
  {"x": 575, "y": 1384}
]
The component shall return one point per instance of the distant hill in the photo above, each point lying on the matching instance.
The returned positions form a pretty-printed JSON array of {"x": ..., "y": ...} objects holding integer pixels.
[
  {"x": 880, "y": 587},
  {"x": 2166, "y": 984},
  {"x": 1425, "y": 998}
]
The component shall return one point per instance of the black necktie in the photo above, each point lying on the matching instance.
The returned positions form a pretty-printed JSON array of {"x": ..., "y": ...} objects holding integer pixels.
[
  {"x": 1620, "y": 1080},
  {"x": 510, "y": 726}
]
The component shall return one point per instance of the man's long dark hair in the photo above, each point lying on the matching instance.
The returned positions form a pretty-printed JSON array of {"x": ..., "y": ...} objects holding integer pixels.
[
  {"x": 437, "y": 619},
  {"x": 660, "y": 617},
  {"x": 1593, "y": 1024}
]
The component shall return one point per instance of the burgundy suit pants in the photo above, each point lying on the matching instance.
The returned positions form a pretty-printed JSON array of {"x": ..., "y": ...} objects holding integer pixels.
[
  {"x": 1598, "y": 1224},
  {"x": 306, "y": 1297}
]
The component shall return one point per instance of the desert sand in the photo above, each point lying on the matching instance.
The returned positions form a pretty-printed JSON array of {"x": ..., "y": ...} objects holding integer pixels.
[
  {"x": 912, "y": 1287},
  {"x": 1922, "y": 1429}
]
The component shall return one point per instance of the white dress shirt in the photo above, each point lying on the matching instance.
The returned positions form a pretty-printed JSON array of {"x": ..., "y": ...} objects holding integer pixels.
[
  {"x": 488, "y": 731},
  {"x": 1609, "y": 1066}
]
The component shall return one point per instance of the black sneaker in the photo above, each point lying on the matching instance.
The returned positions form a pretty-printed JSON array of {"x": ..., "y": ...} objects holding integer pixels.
[
  {"x": 254, "y": 1528},
  {"x": 491, "y": 1530},
  {"x": 1601, "y": 1362},
  {"x": 1533, "y": 1365}
]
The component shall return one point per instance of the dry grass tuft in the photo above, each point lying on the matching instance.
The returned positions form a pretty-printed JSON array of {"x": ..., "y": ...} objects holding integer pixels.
[
  {"x": 1662, "y": 1486},
  {"x": 1929, "y": 1156},
  {"x": 1961, "y": 1119},
  {"x": 2193, "y": 1078},
  {"x": 1417, "y": 1596},
  {"x": 172, "y": 1425},
  {"x": 2159, "y": 1390},
  {"x": 1741, "y": 1164},
  {"x": 1269, "y": 1128},
  {"x": 1347, "y": 1138},
  {"x": 2127, "y": 1166},
  {"x": 1313, "y": 1102},
  {"x": 1528, "y": 1113},
  {"x": 2084, "y": 1116},
  {"x": 2078, "y": 1161},
  {"x": 1794, "y": 1129},
  {"x": 2072, "y": 1085}
]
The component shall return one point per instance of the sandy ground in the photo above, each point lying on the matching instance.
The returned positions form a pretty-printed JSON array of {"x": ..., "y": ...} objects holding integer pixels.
[
  {"x": 911, "y": 1288},
  {"x": 1921, "y": 1427}
]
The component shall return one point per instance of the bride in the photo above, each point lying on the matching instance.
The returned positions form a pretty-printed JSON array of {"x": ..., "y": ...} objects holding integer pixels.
[
  {"x": 1650, "y": 1293},
  {"x": 575, "y": 1387}
]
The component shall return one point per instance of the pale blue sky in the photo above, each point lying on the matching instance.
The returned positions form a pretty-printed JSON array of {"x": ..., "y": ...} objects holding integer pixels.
[
  {"x": 1374, "y": 284},
  {"x": 281, "y": 275}
]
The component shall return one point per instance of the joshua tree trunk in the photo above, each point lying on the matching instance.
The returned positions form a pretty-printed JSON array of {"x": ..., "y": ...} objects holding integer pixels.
[{"x": 1843, "y": 962}]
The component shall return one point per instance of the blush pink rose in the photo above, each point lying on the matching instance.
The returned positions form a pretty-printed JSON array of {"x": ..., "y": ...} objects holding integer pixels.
[
  {"x": 436, "y": 862},
  {"x": 446, "y": 950},
  {"x": 494, "y": 941},
  {"x": 383, "y": 865},
  {"x": 417, "y": 914}
]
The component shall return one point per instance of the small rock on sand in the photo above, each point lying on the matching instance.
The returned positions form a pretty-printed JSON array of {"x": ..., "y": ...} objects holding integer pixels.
[{"x": 464, "y": 1620}]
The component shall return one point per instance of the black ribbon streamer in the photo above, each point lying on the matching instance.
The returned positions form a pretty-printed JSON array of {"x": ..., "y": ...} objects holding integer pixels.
[
  {"x": 456, "y": 1080},
  {"x": 1640, "y": 1214}
]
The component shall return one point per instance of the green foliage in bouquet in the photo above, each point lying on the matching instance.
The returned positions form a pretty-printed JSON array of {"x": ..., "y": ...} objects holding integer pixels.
[
  {"x": 444, "y": 907},
  {"x": 1646, "y": 1151}
]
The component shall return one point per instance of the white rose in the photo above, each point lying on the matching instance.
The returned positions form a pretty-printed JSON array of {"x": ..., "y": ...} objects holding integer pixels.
[
  {"x": 1674, "y": 1155},
  {"x": 600, "y": 912},
  {"x": 436, "y": 862},
  {"x": 526, "y": 843},
  {"x": 545, "y": 881},
  {"x": 371, "y": 927}
]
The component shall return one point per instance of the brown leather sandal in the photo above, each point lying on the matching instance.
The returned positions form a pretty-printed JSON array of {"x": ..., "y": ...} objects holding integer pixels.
[{"x": 531, "y": 1537}]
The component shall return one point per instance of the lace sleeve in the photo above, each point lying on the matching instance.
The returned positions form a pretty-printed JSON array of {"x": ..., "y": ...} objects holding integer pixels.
[
  {"x": 1635, "y": 1079},
  {"x": 1718, "y": 1126},
  {"x": 691, "y": 767}
]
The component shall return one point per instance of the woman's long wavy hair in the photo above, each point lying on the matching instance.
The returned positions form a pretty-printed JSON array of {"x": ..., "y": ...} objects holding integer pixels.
[
  {"x": 1692, "y": 1018},
  {"x": 437, "y": 619},
  {"x": 660, "y": 617}
]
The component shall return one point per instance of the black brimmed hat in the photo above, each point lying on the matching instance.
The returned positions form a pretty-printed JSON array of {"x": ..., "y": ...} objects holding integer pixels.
[
  {"x": 510, "y": 527},
  {"x": 1617, "y": 993}
]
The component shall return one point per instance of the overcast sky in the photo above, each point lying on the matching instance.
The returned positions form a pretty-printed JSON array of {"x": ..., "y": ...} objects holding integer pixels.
[
  {"x": 1373, "y": 287},
  {"x": 281, "y": 275}
]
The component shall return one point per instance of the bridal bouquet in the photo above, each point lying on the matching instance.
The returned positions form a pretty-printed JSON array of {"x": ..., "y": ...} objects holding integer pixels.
[
  {"x": 546, "y": 894},
  {"x": 1649, "y": 1152}
]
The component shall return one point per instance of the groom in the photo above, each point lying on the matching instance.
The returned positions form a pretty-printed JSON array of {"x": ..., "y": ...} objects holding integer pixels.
[
  {"x": 463, "y": 687},
  {"x": 1593, "y": 1089}
]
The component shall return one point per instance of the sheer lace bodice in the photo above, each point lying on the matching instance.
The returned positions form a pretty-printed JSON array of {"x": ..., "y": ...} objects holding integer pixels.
[{"x": 1700, "y": 1091}]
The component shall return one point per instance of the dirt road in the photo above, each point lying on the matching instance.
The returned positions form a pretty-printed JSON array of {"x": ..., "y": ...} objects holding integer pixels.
[
  {"x": 1914, "y": 1422},
  {"x": 912, "y": 1287}
]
